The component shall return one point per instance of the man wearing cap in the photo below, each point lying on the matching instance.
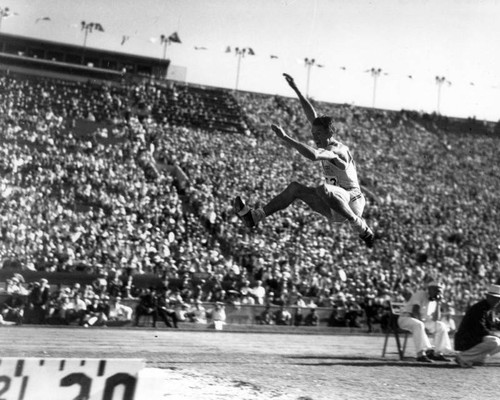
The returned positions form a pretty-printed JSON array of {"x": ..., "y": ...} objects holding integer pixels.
[
  {"x": 474, "y": 338},
  {"x": 422, "y": 314}
]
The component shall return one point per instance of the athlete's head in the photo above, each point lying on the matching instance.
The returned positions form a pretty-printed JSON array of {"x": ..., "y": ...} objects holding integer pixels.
[{"x": 323, "y": 128}]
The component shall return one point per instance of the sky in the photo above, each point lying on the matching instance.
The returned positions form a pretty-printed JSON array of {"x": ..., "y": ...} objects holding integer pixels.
[{"x": 411, "y": 41}]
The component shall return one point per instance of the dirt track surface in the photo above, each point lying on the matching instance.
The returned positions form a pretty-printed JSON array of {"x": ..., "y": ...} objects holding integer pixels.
[{"x": 212, "y": 365}]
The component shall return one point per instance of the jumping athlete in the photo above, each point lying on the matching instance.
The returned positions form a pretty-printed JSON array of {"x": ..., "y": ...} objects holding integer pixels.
[{"x": 339, "y": 197}]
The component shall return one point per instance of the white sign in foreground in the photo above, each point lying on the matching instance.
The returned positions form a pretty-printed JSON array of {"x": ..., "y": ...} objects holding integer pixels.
[{"x": 68, "y": 378}]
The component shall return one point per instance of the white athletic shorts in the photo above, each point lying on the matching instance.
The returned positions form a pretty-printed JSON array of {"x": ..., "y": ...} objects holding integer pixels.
[{"x": 353, "y": 197}]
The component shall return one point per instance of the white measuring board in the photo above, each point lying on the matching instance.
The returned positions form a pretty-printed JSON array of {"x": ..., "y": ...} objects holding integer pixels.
[{"x": 68, "y": 378}]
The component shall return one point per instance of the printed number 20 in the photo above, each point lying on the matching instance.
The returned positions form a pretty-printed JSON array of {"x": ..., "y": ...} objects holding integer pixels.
[{"x": 111, "y": 383}]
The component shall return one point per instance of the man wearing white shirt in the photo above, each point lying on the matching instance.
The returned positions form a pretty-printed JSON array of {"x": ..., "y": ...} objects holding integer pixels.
[
  {"x": 421, "y": 313},
  {"x": 259, "y": 292},
  {"x": 75, "y": 309},
  {"x": 119, "y": 312}
]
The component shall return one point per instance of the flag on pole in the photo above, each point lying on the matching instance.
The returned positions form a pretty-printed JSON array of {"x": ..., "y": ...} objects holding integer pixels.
[
  {"x": 174, "y": 38},
  {"x": 42, "y": 19}
]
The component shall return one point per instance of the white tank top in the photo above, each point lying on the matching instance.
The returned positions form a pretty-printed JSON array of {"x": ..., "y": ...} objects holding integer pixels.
[{"x": 348, "y": 178}]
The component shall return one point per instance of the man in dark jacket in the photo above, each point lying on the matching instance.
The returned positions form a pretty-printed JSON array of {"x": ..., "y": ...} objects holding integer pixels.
[
  {"x": 475, "y": 339},
  {"x": 148, "y": 303}
]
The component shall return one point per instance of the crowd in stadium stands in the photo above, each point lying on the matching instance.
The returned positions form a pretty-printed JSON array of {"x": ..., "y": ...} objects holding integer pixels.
[{"x": 148, "y": 191}]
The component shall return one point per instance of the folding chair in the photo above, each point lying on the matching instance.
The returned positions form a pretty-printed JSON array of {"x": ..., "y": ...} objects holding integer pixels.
[{"x": 394, "y": 329}]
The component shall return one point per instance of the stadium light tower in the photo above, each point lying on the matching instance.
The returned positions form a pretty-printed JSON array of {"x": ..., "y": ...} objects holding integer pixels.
[
  {"x": 240, "y": 53},
  {"x": 375, "y": 74},
  {"x": 4, "y": 13},
  {"x": 166, "y": 40},
  {"x": 439, "y": 82},
  {"x": 308, "y": 62},
  {"x": 88, "y": 27}
]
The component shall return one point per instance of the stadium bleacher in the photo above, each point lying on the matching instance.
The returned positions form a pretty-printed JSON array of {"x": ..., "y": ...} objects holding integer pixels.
[{"x": 75, "y": 199}]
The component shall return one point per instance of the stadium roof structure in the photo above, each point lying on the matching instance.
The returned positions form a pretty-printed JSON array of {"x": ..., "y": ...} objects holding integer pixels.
[{"x": 42, "y": 57}]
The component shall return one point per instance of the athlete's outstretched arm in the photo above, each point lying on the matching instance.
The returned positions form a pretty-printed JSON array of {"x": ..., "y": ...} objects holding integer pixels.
[
  {"x": 306, "y": 105},
  {"x": 307, "y": 151}
]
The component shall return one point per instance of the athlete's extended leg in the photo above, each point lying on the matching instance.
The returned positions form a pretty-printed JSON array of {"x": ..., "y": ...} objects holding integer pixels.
[
  {"x": 321, "y": 199},
  {"x": 297, "y": 191},
  {"x": 294, "y": 191}
]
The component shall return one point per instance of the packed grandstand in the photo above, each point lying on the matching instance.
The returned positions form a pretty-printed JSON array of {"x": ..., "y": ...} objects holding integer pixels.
[{"x": 137, "y": 180}]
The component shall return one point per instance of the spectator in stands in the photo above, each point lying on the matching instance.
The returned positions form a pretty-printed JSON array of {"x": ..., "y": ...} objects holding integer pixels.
[
  {"x": 76, "y": 308},
  {"x": 475, "y": 339},
  {"x": 116, "y": 287},
  {"x": 218, "y": 315},
  {"x": 423, "y": 312},
  {"x": 266, "y": 316},
  {"x": 245, "y": 288},
  {"x": 4, "y": 322},
  {"x": 181, "y": 309},
  {"x": 312, "y": 318},
  {"x": 370, "y": 309},
  {"x": 247, "y": 299},
  {"x": 353, "y": 312},
  {"x": 447, "y": 318},
  {"x": 75, "y": 288},
  {"x": 14, "y": 285},
  {"x": 298, "y": 315},
  {"x": 82, "y": 203},
  {"x": 334, "y": 319},
  {"x": 88, "y": 293},
  {"x": 58, "y": 303},
  {"x": 38, "y": 301},
  {"x": 12, "y": 309},
  {"x": 118, "y": 313},
  {"x": 259, "y": 292},
  {"x": 147, "y": 306},
  {"x": 282, "y": 316},
  {"x": 166, "y": 308},
  {"x": 197, "y": 313},
  {"x": 97, "y": 312},
  {"x": 100, "y": 284}
]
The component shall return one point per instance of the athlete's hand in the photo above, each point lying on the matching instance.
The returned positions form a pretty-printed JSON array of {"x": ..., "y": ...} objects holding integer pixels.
[
  {"x": 290, "y": 81},
  {"x": 278, "y": 130}
]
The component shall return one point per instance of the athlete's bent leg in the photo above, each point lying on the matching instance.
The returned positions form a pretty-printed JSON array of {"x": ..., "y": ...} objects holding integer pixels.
[{"x": 338, "y": 200}]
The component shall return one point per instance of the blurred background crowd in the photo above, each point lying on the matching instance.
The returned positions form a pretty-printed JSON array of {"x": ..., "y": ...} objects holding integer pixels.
[{"x": 123, "y": 181}]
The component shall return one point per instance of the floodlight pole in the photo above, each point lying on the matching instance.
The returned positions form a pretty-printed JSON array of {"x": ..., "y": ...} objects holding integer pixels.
[
  {"x": 165, "y": 41},
  {"x": 375, "y": 74},
  {"x": 439, "y": 82},
  {"x": 240, "y": 53},
  {"x": 308, "y": 62},
  {"x": 4, "y": 12}
]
